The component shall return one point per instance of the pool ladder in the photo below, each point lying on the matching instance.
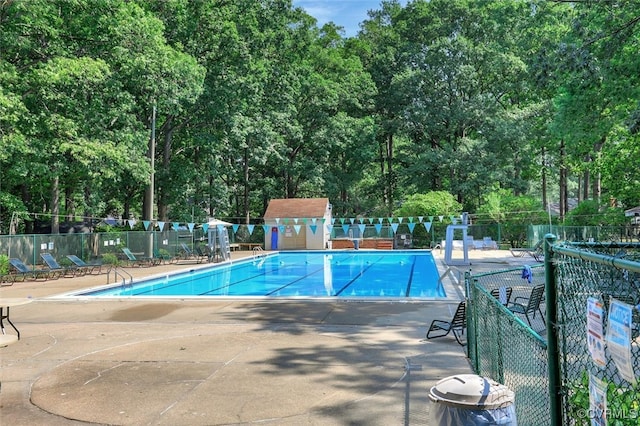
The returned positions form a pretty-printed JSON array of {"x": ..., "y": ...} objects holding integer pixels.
[
  {"x": 257, "y": 251},
  {"x": 119, "y": 272}
]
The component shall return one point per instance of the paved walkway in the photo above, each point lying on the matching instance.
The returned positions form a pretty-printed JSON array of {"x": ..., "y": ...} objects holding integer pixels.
[{"x": 225, "y": 362}]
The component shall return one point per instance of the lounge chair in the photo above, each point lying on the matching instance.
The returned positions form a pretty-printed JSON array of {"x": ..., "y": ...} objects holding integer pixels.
[
  {"x": 84, "y": 267},
  {"x": 529, "y": 305},
  {"x": 507, "y": 294},
  {"x": 134, "y": 261},
  {"x": 188, "y": 254},
  {"x": 163, "y": 257},
  {"x": 25, "y": 271},
  {"x": 489, "y": 244},
  {"x": 203, "y": 253},
  {"x": 536, "y": 252},
  {"x": 55, "y": 267},
  {"x": 458, "y": 323}
]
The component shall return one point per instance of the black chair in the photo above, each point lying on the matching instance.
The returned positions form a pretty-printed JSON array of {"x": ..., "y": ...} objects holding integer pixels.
[
  {"x": 496, "y": 293},
  {"x": 529, "y": 305},
  {"x": 458, "y": 323}
]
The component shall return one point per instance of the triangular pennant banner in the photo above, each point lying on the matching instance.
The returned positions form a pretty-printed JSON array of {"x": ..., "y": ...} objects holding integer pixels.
[
  {"x": 191, "y": 226},
  {"x": 281, "y": 229},
  {"x": 297, "y": 228},
  {"x": 394, "y": 226},
  {"x": 420, "y": 218},
  {"x": 352, "y": 220},
  {"x": 175, "y": 225},
  {"x": 205, "y": 227},
  {"x": 235, "y": 227},
  {"x": 427, "y": 226},
  {"x": 250, "y": 228},
  {"x": 362, "y": 228},
  {"x": 295, "y": 220},
  {"x": 277, "y": 220},
  {"x": 380, "y": 220},
  {"x": 371, "y": 220},
  {"x": 410, "y": 219},
  {"x": 313, "y": 228},
  {"x": 342, "y": 220},
  {"x": 329, "y": 228},
  {"x": 285, "y": 221},
  {"x": 400, "y": 219},
  {"x": 378, "y": 227},
  {"x": 132, "y": 223},
  {"x": 440, "y": 217},
  {"x": 220, "y": 228},
  {"x": 146, "y": 224},
  {"x": 345, "y": 228},
  {"x": 390, "y": 219},
  {"x": 411, "y": 226},
  {"x": 161, "y": 226},
  {"x": 265, "y": 228},
  {"x": 314, "y": 220}
]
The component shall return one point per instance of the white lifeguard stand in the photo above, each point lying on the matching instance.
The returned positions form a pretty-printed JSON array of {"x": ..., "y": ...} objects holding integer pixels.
[{"x": 448, "y": 251}]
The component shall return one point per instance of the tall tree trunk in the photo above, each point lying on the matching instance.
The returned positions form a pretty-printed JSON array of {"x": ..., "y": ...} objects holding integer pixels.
[
  {"x": 545, "y": 196},
  {"x": 55, "y": 205},
  {"x": 245, "y": 174},
  {"x": 390, "y": 187},
  {"x": 69, "y": 205},
  {"x": 563, "y": 181}
]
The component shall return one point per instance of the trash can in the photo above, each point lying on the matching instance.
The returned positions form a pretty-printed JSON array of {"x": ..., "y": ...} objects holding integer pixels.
[{"x": 470, "y": 400}]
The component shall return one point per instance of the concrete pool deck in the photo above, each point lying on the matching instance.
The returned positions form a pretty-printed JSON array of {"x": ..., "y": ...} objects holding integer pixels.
[{"x": 221, "y": 362}]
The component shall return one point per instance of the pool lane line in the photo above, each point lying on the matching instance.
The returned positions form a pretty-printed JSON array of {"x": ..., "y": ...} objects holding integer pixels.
[
  {"x": 358, "y": 276},
  {"x": 413, "y": 266},
  {"x": 278, "y": 267}
]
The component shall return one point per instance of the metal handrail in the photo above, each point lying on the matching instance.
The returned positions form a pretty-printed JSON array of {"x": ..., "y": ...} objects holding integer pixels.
[{"x": 118, "y": 272}]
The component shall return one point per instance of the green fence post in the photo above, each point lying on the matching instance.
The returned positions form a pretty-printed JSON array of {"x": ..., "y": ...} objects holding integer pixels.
[{"x": 555, "y": 384}]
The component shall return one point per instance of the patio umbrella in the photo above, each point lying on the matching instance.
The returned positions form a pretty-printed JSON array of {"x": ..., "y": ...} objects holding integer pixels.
[{"x": 216, "y": 222}]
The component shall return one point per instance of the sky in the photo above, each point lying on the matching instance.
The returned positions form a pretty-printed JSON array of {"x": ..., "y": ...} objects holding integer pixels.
[{"x": 345, "y": 13}]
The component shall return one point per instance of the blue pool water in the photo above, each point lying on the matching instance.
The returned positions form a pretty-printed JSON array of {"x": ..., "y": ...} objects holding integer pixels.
[{"x": 370, "y": 274}]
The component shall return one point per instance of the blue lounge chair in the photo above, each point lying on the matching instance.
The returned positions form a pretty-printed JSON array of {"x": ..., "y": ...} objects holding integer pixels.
[
  {"x": 134, "y": 261},
  {"x": 84, "y": 267},
  {"x": 27, "y": 272},
  {"x": 55, "y": 267}
]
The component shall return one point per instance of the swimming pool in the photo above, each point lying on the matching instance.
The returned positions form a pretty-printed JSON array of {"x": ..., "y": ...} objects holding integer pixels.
[{"x": 349, "y": 274}]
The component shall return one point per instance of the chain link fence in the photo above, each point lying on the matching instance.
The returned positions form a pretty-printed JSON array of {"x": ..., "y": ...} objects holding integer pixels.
[
  {"x": 510, "y": 348},
  {"x": 513, "y": 347}
]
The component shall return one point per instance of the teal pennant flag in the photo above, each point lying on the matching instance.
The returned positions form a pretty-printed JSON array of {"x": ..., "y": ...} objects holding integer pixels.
[
  {"x": 329, "y": 228},
  {"x": 250, "y": 228},
  {"x": 175, "y": 226},
  {"x": 427, "y": 226},
  {"x": 191, "y": 226},
  {"x": 265, "y": 228},
  {"x": 345, "y": 229},
  {"x": 297, "y": 228},
  {"x": 313, "y": 228},
  {"x": 161, "y": 226},
  {"x": 362, "y": 228},
  {"x": 411, "y": 226},
  {"x": 378, "y": 227},
  {"x": 146, "y": 224},
  {"x": 235, "y": 227},
  {"x": 394, "y": 226},
  {"x": 205, "y": 227}
]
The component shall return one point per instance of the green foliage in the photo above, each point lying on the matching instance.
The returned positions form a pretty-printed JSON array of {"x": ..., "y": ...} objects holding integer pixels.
[
  {"x": 430, "y": 204},
  {"x": 623, "y": 403},
  {"x": 111, "y": 259},
  {"x": 592, "y": 213},
  {"x": 4, "y": 264}
]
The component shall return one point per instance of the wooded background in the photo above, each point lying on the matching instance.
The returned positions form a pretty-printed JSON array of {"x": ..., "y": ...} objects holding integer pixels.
[{"x": 507, "y": 106}]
